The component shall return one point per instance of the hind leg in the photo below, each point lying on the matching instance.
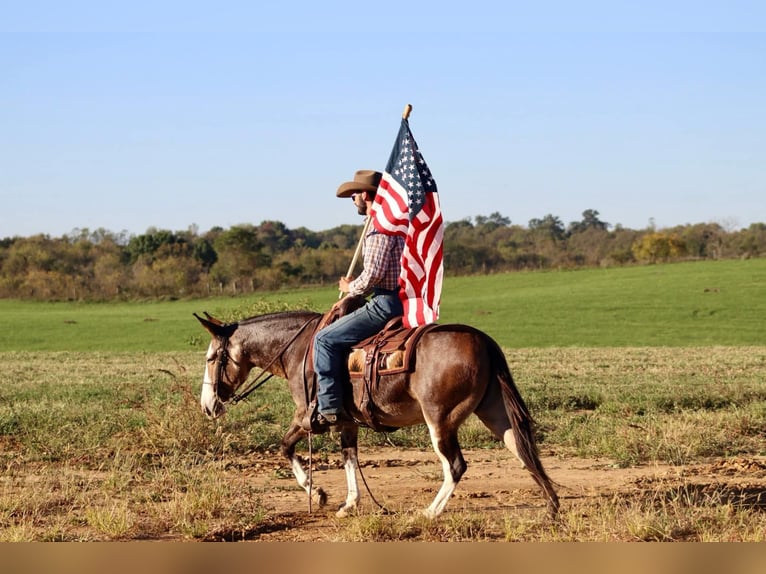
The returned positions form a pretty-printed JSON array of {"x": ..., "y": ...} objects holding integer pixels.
[
  {"x": 492, "y": 413},
  {"x": 447, "y": 449}
]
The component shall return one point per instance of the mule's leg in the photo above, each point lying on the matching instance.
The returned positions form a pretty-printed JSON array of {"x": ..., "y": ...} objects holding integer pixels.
[
  {"x": 453, "y": 465},
  {"x": 494, "y": 416},
  {"x": 287, "y": 447},
  {"x": 348, "y": 441}
]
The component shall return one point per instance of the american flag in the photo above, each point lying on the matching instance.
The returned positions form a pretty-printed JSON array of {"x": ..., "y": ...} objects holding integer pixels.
[{"x": 407, "y": 204}]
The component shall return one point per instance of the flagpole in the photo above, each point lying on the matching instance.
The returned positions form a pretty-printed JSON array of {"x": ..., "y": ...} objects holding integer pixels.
[
  {"x": 405, "y": 115},
  {"x": 357, "y": 252}
]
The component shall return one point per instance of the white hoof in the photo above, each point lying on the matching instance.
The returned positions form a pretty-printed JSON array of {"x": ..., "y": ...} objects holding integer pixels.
[{"x": 345, "y": 511}]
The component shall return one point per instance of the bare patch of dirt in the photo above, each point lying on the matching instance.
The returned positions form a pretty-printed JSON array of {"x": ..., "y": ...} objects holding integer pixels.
[{"x": 494, "y": 486}]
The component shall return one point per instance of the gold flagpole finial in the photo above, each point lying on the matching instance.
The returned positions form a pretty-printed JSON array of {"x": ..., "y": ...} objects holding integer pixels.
[{"x": 407, "y": 110}]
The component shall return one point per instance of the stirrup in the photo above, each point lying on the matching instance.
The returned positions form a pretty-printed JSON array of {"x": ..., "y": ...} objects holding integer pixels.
[
  {"x": 317, "y": 423},
  {"x": 309, "y": 421}
]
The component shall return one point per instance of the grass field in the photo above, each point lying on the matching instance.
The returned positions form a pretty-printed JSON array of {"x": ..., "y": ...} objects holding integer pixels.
[
  {"x": 101, "y": 437},
  {"x": 686, "y": 304},
  {"x": 112, "y": 446}
]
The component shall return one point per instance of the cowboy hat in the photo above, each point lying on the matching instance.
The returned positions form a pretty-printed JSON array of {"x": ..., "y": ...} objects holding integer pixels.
[{"x": 364, "y": 180}]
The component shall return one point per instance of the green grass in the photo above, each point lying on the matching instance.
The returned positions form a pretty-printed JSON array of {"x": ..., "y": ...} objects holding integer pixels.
[
  {"x": 101, "y": 435},
  {"x": 632, "y": 405},
  {"x": 685, "y": 304}
]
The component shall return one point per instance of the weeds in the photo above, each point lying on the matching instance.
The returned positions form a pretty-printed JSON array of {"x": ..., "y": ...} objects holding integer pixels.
[
  {"x": 114, "y": 522},
  {"x": 114, "y": 447}
]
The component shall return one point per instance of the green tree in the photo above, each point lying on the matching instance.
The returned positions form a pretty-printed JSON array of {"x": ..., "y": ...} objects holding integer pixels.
[
  {"x": 204, "y": 252},
  {"x": 703, "y": 240},
  {"x": 549, "y": 226},
  {"x": 751, "y": 242},
  {"x": 274, "y": 237},
  {"x": 151, "y": 241},
  {"x": 589, "y": 220},
  {"x": 241, "y": 255}
]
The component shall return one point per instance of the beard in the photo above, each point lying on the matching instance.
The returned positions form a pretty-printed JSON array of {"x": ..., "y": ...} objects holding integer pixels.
[{"x": 362, "y": 209}]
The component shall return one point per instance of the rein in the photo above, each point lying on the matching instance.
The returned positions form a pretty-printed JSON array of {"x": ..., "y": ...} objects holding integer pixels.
[{"x": 253, "y": 385}]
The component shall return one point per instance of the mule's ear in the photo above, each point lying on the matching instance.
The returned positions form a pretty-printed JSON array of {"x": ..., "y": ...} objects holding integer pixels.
[
  {"x": 216, "y": 328},
  {"x": 212, "y": 319},
  {"x": 210, "y": 327}
]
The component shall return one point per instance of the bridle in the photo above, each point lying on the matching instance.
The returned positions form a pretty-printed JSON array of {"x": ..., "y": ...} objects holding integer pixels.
[{"x": 223, "y": 357}]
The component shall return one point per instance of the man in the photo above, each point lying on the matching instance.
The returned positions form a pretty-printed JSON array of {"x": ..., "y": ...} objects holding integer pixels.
[{"x": 379, "y": 278}]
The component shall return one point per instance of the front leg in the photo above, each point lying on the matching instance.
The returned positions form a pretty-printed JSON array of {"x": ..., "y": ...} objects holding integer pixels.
[
  {"x": 294, "y": 434},
  {"x": 348, "y": 443}
]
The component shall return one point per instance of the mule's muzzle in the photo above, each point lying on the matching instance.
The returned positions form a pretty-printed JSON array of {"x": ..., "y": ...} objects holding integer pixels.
[
  {"x": 217, "y": 410},
  {"x": 211, "y": 404}
]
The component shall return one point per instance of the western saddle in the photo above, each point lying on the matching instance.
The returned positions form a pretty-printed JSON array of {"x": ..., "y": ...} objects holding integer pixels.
[{"x": 389, "y": 352}]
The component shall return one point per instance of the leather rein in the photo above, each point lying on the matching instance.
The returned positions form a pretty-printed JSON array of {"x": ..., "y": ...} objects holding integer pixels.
[
  {"x": 220, "y": 373},
  {"x": 259, "y": 380}
]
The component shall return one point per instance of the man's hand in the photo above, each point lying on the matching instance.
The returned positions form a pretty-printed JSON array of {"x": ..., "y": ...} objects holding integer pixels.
[{"x": 343, "y": 284}]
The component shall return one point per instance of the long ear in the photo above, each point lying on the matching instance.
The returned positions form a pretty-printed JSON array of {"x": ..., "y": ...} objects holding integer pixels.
[
  {"x": 212, "y": 319},
  {"x": 215, "y": 327},
  {"x": 209, "y": 326}
]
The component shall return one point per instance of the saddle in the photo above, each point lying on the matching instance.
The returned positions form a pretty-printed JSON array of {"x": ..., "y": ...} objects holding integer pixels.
[{"x": 389, "y": 352}]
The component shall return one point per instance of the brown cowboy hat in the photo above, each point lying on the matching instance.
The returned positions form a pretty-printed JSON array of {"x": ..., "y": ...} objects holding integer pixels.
[{"x": 364, "y": 180}]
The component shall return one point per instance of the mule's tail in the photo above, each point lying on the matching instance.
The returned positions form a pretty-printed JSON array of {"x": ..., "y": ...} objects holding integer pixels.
[{"x": 522, "y": 425}]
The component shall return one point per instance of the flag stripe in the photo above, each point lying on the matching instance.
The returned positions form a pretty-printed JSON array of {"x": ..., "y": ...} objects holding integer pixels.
[
  {"x": 389, "y": 200},
  {"x": 407, "y": 204}
]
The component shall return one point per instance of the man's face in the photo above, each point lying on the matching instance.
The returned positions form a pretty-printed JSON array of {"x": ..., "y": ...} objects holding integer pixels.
[{"x": 360, "y": 202}]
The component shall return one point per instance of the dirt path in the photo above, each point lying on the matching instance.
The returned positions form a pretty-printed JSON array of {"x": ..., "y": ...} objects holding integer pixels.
[{"x": 406, "y": 480}]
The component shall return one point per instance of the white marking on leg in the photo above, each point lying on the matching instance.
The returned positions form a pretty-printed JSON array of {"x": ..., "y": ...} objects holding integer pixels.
[
  {"x": 448, "y": 486},
  {"x": 300, "y": 473},
  {"x": 352, "y": 497},
  {"x": 510, "y": 444},
  {"x": 317, "y": 494}
]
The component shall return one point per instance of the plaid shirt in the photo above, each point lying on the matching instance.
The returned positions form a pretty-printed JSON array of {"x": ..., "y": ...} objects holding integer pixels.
[{"x": 382, "y": 263}]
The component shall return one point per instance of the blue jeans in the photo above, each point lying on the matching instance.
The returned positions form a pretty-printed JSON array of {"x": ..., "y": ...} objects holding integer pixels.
[{"x": 332, "y": 344}]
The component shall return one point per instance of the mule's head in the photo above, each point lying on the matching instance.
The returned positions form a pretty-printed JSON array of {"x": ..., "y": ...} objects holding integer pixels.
[{"x": 225, "y": 369}]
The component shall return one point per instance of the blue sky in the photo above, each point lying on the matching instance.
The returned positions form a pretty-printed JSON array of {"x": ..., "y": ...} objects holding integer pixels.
[{"x": 125, "y": 116}]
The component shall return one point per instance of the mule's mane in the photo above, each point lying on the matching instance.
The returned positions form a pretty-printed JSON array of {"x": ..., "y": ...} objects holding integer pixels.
[{"x": 276, "y": 315}]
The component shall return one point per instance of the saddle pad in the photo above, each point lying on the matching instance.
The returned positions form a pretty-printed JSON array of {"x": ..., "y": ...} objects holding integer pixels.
[
  {"x": 387, "y": 352},
  {"x": 389, "y": 362}
]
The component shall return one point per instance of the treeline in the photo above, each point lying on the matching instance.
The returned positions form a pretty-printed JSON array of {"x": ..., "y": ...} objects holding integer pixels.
[{"x": 101, "y": 265}]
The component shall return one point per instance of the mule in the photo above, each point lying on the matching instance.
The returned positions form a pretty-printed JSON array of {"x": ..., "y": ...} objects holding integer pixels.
[{"x": 458, "y": 370}]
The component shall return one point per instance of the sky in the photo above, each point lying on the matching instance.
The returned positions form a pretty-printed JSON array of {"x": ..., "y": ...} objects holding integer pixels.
[{"x": 127, "y": 116}]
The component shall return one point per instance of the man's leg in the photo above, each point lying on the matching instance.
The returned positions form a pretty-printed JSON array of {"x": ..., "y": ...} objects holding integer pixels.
[
  {"x": 331, "y": 347},
  {"x": 328, "y": 353}
]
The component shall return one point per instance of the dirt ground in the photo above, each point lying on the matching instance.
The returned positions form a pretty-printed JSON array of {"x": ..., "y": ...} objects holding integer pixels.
[{"x": 406, "y": 480}]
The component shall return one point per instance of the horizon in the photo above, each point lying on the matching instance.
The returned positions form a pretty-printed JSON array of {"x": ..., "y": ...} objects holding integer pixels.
[{"x": 195, "y": 229}]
